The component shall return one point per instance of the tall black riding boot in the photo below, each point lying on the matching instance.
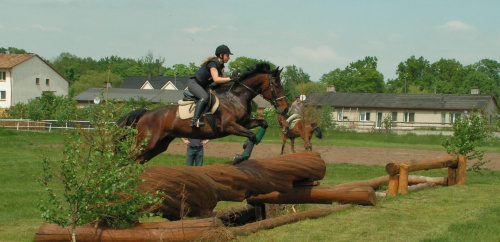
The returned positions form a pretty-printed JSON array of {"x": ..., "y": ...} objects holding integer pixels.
[{"x": 198, "y": 110}]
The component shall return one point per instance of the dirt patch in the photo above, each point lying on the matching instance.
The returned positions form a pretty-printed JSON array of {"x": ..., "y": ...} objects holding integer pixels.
[{"x": 331, "y": 154}]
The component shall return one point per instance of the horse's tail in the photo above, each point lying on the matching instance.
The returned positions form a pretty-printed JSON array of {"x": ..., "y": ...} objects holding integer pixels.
[
  {"x": 317, "y": 130},
  {"x": 131, "y": 118}
]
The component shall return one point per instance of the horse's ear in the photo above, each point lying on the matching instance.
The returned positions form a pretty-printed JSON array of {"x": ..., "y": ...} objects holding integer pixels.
[{"x": 277, "y": 72}]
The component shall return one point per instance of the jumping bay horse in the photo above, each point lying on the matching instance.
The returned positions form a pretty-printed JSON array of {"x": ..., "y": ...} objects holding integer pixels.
[
  {"x": 162, "y": 125},
  {"x": 303, "y": 129}
]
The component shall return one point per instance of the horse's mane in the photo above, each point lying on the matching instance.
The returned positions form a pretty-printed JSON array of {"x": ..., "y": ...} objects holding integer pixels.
[{"x": 259, "y": 68}]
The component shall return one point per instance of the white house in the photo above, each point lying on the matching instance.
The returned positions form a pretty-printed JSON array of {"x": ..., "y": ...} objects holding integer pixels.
[
  {"x": 367, "y": 111},
  {"x": 27, "y": 76}
]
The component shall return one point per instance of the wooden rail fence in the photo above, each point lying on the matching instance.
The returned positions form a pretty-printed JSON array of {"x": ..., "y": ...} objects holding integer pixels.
[{"x": 398, "y": 172}]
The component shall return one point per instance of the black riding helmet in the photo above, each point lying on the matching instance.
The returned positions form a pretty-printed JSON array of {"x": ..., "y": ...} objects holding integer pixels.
[{"x": 222, "y": 49}]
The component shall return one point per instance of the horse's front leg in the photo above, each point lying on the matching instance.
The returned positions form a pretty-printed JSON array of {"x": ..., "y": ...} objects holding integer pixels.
[
  {"x": 237, "y": 129},
  {"x": 257, "y": 123}
]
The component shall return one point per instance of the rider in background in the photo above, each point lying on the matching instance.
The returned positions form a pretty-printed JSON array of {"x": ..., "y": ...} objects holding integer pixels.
[
  {"x": 297, "y": 111},
  {"x": 211, "y": 70}
]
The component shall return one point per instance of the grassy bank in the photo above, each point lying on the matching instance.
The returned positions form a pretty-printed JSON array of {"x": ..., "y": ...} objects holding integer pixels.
[{"x": 459, "y": 213}]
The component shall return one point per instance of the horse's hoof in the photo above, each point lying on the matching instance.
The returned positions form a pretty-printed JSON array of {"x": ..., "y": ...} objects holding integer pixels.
[{"x": 237, "y": 159}]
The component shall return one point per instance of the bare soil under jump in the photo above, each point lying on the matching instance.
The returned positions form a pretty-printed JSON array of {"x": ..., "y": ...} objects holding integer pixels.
[{"x": 331, "y": 154}]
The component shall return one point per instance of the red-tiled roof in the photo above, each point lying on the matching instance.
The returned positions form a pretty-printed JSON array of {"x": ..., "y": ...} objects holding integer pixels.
[{"x": 8, "y": 61}]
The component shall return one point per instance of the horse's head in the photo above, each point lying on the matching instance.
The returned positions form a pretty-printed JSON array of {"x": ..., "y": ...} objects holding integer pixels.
[
  {"x": 273, "y": 91},
  {"x": 261, "y": 80}
]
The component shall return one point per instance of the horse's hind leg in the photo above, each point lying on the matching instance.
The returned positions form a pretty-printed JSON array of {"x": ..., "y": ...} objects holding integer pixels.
[
  {"x": 160, "y": 147},
  {"x": 293, "y": 144},
  {"x": 307, "y": 143}
]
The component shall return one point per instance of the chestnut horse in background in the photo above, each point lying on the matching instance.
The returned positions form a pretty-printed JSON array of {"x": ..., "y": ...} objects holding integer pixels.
[
  {"x": 303, "y": 129},
  {"x": 162, "y": 125}
]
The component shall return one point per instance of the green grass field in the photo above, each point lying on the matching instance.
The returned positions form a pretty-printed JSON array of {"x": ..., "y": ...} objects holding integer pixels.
[{"x": 458, "y": 213}]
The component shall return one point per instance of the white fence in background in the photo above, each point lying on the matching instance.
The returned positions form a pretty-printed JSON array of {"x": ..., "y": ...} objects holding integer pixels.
[{"x": 47, "y": 125}]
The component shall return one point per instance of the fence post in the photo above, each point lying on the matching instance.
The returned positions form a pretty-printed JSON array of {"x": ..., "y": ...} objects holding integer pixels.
[
  {"x": 403, "y": 179},
  {"x": 461, "y": 170}
]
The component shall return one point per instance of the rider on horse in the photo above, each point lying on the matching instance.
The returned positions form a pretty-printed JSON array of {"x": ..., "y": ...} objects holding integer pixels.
[
  {"x": 297, "y": 111},
  {"x": 212, "y": 70}
]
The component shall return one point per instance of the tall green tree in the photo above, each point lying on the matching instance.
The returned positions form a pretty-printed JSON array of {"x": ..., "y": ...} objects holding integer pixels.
[
  {"x": 94, "y": 79},
  {"x": 490, "y": 84},
  {"x": 294, "y": 81},
  {"x": 12, "y": 50},
  {"x": 448, "y": 74},
  {"x": 181, "y": 70},
  {"x": 152, "y": 64},
  {"x": 359, "y": 77},
  {"x": 413, "y": 71}
]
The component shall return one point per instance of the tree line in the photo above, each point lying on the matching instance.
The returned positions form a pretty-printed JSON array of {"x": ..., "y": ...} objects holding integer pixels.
[{"x": 414, "y": 75}]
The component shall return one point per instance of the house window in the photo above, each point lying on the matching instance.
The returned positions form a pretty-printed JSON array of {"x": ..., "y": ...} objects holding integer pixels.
[
  {"x": 339, "y": 116},
  {"x": 3, "y": 75},
  {"x": 3, "y": 95},
  {"x": 443, "y": 118},
  {"x": 394, "y": 119},
  {"x": 409, "y": 117},
  {"x": 364, "y": 116},
  {"x": 454, "y": 117},
  {"x": 47, "y": 82},
  {"x": 37, "y": 81}
]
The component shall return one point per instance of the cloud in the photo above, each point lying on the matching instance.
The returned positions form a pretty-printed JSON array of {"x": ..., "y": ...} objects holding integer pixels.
[
  {"x": 321, "y": 53},
  {"x": 455, "y": 25},
  {"x": 47, "y": 29},
  {"x": 196, "y": 29}
]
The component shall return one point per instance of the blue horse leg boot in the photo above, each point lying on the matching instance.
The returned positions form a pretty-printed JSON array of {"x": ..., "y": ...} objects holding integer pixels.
[
  {"x": 248, "y": 146},
  {"x": 246, "y": 153}
]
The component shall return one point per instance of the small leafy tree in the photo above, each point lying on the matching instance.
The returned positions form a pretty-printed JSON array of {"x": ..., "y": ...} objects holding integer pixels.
[
  {"x": 327, "y": 121},
  {"x": 387, "y": 123},
  {"x": 96, "y": 178},
  {"x": 271, "y": 117},
  {"x": 468, "y": 132}
]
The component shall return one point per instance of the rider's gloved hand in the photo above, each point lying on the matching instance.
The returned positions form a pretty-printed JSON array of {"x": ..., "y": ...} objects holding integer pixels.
[{"x": 235, "y": 79}]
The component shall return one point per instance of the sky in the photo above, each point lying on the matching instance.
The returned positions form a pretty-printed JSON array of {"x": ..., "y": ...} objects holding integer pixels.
[{"x": 317, "y": 36}]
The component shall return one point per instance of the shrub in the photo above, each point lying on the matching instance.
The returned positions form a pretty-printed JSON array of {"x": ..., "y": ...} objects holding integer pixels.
[
  {"x": 97, "y": 177},
  {"x": 468, "y": 132}
]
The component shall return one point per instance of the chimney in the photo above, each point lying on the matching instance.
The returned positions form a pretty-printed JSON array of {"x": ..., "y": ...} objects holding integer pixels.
[
  {"x": 150, "y": 77},
  {"x": 475, "y": 91},
  {"x": 330, "y": 89}
]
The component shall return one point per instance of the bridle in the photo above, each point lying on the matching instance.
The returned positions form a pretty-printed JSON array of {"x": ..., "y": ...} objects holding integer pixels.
[{"x": 273, "y": 99}]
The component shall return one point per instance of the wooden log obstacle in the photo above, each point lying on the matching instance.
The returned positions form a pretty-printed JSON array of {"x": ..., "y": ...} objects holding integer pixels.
[
  {"x": 399, "y": 172},
  {"x": 195, "y": 191}
]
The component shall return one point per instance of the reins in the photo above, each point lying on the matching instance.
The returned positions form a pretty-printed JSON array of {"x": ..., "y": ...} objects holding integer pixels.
[{"x": 273, "y": 100}]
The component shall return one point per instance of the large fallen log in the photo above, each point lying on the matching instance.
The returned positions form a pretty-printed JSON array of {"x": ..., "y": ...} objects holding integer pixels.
[
  {"x": 195, "y": 191},
  {"x": 319, "y": 194},
  {"x": 184, "y": 230}
]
